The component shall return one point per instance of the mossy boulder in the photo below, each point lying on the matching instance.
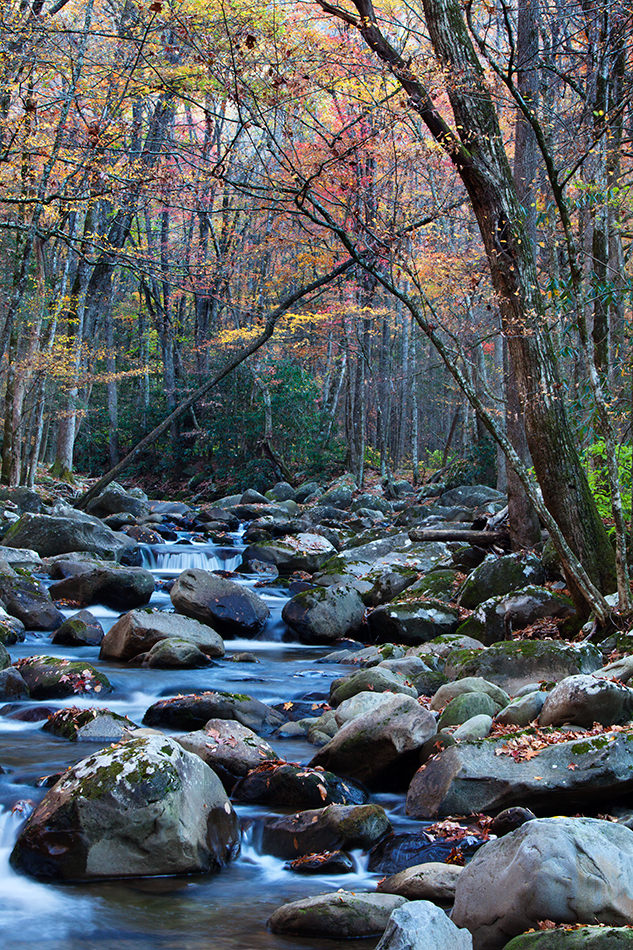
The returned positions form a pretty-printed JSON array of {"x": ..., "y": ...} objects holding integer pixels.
[
  {"x": 582, "y": 700},
  {"x": 497, "y": 618},
  {"x": 469, "y": 684},
  {"x": 578, "y": 938},
  {"x": 412, "y": 620},
  {"x": 175, "y": 653},
  {"x": 50, "y": 677},
  {"x": 228, "y": 607},
  {"x": 285, "y": 785},
  {"x": 11, "y": 629},
  {"x": 12, "y": 686},
  {"x": 464, "y": 707},
  {"x": 66, "y": 532},
  {"x": 324, "y": 829},
  {"x": 196, "y": 709},
  {"x": 339, "y": 915},
  {"x": 501, "y": 575},
  {"x": 324, "y": 614},
  {"x": 88, "y": 725},
  {"x": 514, "y": 664},
  {"x": 142, "y": 807},
  {"x": 305, "y": 552},
  {"x": 27, "y": 599},
  {"x": 80, "y": 630},
  {"x": 375, "y": 679},
  {"x": 138, "y": 631},
  {"x": 120, "y": 588}
]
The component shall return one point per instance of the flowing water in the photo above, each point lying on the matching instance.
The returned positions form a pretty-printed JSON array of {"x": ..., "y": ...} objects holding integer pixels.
[{"x": 224, "y": 911}]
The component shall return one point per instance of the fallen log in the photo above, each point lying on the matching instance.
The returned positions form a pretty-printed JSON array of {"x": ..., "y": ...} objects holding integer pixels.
[{"x": 483, "y": 538}]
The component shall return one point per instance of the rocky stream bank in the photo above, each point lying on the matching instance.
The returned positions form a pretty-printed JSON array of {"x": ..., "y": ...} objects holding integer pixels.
[{"x": 292, "y": 720}]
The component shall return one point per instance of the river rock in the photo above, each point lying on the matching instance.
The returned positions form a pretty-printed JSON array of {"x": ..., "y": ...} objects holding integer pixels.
[
  {"x": 326, "y": 862},
  {"x": 322, "y": 614},
  {"x": 195, "y": 710},
  {"x": 174, "y": 653},
  {"x": 484, "y": 777},
  {"x": 583, "y": 700},
  {"x": 471, "y": 496},
  {"x": 12, "y": 685},
  {"x": 397, "y": 852},
  {"x": 339, "y": 915},
  {"x": 324, "y": 829},
  {"x": 88, "y": 725},
  {"x": 385, "y": 584},
  {"x": 420, "y": 925},
  {"x": 80, "y": 630},
  {"x": 120, "y": 588},
  {"x": 523, "y": 710},
  {"x": 11, "y": 629},
  {"x": 231, "y": 609},
  {"x": 25, "y": 499},
  {"x": 50, "y": 677},
  {"x": 382, "y": 745},
  {"x": 583, "y": 938},
  {"x": 464, "y": 707},
  {"x": 497, "y": 618},
  {"x": 375, "y": 679},
  {"x": 358, "y": 705},
  {"x": 21, "y": 557},
  {"x": 412, "y": 621},
  {"x": 477, "y": 727},
  {"x": 139, "y": 630},
  {"x": 305, "y": 552},
  {"x": 501, "y": 575},
  {"x": 114, "y": 499},
  {"x": 28, "y": 600},
  {"x": 514, "y": 664},
  {"x": 67, "y": 532},
  {"x": 568, "y": 870},
  {"x": 142, "y": 807},
  {"x": 5, "y": 659},
  {"x": 296, "y": 786},
  {"x": 469, "y": 684},
  {"x": 434, "y": 881},
  {"x": 229, "y": 748}
]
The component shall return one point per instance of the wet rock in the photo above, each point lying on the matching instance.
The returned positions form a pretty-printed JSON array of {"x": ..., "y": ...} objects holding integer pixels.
[
  {"x": 176, "y": 654},
  {"x": 229, "y": 748},
  {"x": 11, "y": 629},
  {"x": 21, "y": 557},
  {"x": 120, "y": 588},
  {"x": 568, "y": 870},
  {"x": 327, "y": 862},
  {"x": 340, "y": 915},
  {"x": 322, "y": 614},
  {"x": 143, "y": 807},
  {"x": 484, "y": 777},
  {"x": 469, "y": 684},
  {"x": 194, "y": 711},
  {"x": 396, "y": 853},
  {"x": 305, "y": 552},
  {"x": 231, "y": 609},
  {"x": 144, "y": 535},
  {"x": 12, "y": 685},
  {"x": 64, "y": 532},
  {"x": 432, "y": 881},
  {"x": 139, "y": 630},
  {"x": 5, "y": 659},
  {"x": 49, "y": 677},
  {"x": 501, "y": 575},
  {"x": 497, "y": 618},
  {"x": 509, "y": 820},
  {"x": 583, "y": 938},
  {"x": 296, "y": 786},
  {"x": 512, "y": 665},
  {"x": 420, "y": 925},
  {"x": 382, "y": 745},
  {"x": 412, "y": 620},
  {"x": 82, "y": 629},
  {"x": 114, "y": 499},
  {"x": 464, "y": 707},
  {"x": 374, "y": 679},
  {"x": 28, "y": 600},
  {"x": 324, "y": 829},
  {"x": 88, "y": 725},
  {"x": 582, "y": 700}
]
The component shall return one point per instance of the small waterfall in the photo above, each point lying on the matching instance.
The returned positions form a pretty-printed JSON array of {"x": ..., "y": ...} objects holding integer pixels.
[{"x": 173, "y": 559}]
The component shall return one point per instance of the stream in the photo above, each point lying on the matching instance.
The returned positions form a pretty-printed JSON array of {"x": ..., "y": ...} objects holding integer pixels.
[{"x": 223, "y": 911}]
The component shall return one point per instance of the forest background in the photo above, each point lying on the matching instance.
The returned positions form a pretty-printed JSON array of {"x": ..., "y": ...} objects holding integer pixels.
[{"x": 414, "y": 219}]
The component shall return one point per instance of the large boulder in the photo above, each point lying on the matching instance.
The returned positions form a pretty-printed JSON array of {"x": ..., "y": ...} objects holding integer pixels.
[
  {"x": 143, "y": 807},
  {"x": 230, "y": 608},
  {"x": 583, "y": 700},
  {"x": 434, "y": 881},
  {"x": 514, "y": 664},
  {"x": 581, "y": 938},
  {"x": 12, "y": 686},
  {"x": 324, "y": 829},
  {"x": 497, "y": 618},
  {"x": 375, "y": 679},
  {"x": 88, "y": 725},
  {"x": 295, "y": 786},
  {"x": 194, "y": 711},
  {"x": 139, "y": 630},
  {"x": 80, "y": 630},
  {"x": 412, "y": 620},
  {"x": 305, "y": 552},
  {"x": 381, "y": 746},
  {"x": 567, "y": 870},
  {"x": 464, "y": 707},
  {"x": 471, "y": 496},
  {"x": 340, "y": 915},
  {"x": 493, "y": 774},
  {"x": 5, "y": 659},
  {"x": 50, "y": 677},
  {"x": 469, "y": 684},
  {"x": 501, "y": 575},
  {"x": 230, "y": 748},
  {"x": 114, "y": 499},
  {"x": 120, "y": 588},
  {"x": 66, "y": 531},
  {"x": 28, "y": 600},
  {"x": 323, "y": 614},
  {"x": 420, "y": 925}
]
